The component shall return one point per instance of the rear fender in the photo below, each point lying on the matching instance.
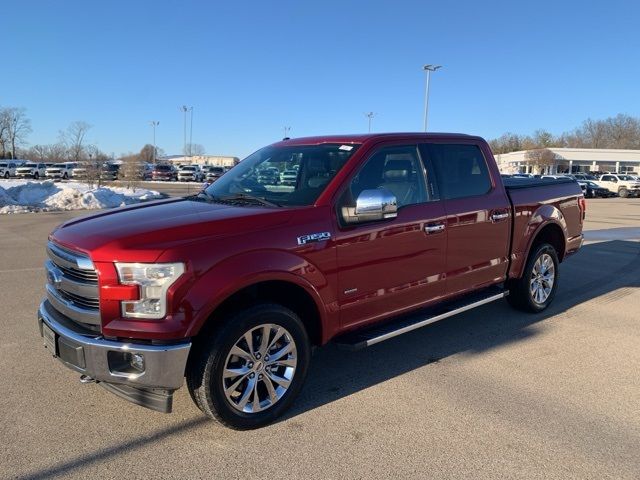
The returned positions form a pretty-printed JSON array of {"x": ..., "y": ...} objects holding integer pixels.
[{"x": 542, "y": 217}]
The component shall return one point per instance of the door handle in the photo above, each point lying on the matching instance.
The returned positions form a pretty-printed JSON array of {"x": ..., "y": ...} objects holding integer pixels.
[
  {"x": 434, "y": 228},
  {"x": 499, "y": 216}
]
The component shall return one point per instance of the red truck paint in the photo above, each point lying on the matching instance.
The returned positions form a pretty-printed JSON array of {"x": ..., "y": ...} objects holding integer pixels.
[{"x": 393, "y": 265}]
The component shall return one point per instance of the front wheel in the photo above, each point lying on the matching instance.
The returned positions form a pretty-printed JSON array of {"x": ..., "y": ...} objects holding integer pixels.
[
  {"x": 6, "y": 175},
  {"x": 248, "y": 372},
  {"x": 534, "y": 291},
  {"x": 623, "y": 193}
]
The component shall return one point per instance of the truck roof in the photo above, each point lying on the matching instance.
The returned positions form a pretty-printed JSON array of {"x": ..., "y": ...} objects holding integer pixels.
[{"x": 361, "y": 138}]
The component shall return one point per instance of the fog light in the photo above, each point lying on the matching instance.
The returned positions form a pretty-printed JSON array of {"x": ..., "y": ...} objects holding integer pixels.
[
  {"x": 126, "y": 363},
  {"x": 137, "y": 361}
]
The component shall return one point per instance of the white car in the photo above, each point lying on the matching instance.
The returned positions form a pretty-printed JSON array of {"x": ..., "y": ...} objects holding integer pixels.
[
  {"x": 624, "y": 185},
  {"x": 31, "y": 170},
  {"x": 190, "y": 173},
  {"x": 61, "y": 170},
  {"x": 8, "y": 169}
]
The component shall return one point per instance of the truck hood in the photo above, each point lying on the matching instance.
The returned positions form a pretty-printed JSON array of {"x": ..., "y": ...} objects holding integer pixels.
[{"x": 142, "y": 232}]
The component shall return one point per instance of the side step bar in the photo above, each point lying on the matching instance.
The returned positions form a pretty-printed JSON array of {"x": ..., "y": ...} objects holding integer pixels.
[{"x": 379, "y": 333}]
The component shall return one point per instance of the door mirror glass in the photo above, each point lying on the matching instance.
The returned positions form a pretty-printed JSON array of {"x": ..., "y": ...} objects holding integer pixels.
[{"x": 372, "y": 205}]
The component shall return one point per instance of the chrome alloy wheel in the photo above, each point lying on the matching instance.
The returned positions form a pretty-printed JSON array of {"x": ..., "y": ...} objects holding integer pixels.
[
  {"x": 259, "y": 368},
  {"x": 542, "y": 277}
]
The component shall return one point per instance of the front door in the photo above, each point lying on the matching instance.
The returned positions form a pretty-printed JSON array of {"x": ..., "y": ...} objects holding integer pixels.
[{"x": 392, "y": 265}]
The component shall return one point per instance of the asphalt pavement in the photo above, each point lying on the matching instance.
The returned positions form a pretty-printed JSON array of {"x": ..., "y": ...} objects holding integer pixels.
[{"x": 491, "y": 393}]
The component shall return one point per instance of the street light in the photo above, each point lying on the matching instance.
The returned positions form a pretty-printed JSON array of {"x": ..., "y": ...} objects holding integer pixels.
[
  {"x": 185, "y": 109},
  {"x": 154, "y": 124},
  {"x": 370, "y": 116},
  {"x": 428, "y": 68}
]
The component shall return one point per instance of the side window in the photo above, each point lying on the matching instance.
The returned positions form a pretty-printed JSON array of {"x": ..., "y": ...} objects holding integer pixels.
[
  {"x": 461, "y": 170},
  {"x": 397, "y": 169}
]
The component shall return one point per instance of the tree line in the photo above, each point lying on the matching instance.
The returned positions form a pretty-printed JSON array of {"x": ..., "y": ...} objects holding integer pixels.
[{"x": 621, "y": 131}]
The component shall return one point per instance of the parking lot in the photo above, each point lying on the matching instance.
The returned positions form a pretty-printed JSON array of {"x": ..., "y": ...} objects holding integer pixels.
[{"x": 490, "y": 393}]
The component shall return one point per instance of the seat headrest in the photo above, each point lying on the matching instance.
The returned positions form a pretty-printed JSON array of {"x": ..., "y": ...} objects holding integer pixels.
[{"x": 397, "y": 171}]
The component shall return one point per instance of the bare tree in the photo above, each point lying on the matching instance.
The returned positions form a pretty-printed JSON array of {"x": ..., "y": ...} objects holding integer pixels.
[
  {"x": 540, "y": 157},
  {"x": 146, "y": 154},
  {"x": 195, "y": 149},
  {"x": 74, "y": 139},
  {"x": 4, "y": 131},
  {"x": 18, "y": 128}
]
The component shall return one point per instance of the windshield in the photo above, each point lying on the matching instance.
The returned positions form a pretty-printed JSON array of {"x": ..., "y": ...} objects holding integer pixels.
[
  {"x": 163, "y": 168},
  {"x": 626, "y": 178},
  {"x": 190, "y": 169},
  {"x": 259, "y": 174},
  {"x": 29, "y": 165}
]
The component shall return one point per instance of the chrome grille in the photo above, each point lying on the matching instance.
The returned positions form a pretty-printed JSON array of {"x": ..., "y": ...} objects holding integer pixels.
[{"x": 72, "y": 286}]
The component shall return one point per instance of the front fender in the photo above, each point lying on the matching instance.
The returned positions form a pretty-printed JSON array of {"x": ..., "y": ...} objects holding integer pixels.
[{"x": 233, "y": 274}]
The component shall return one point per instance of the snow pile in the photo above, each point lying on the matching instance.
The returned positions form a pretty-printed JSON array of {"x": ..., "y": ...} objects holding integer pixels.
[{"x": 18, "y": 196}]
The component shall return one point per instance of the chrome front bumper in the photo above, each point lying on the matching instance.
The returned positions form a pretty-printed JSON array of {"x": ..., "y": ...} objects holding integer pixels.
[{"x": 92, "y": 355}]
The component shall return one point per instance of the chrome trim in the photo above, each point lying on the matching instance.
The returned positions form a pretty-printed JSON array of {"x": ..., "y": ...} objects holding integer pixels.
[
  {"x": 164, "y": 364},
  {"x": 431, "y": 320},
  {"x": 70, "y": 259},
  {"x": 434, "y": 228},
  {"x": 499, "y": 216},
  {"x": 62, "y": 282},
  {"x": 74, "y": 312}
]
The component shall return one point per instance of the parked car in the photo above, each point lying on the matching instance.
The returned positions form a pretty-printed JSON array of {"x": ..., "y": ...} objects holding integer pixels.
[
  {"x": 213, "y": 173},
  {"x": 269, "y": 176},
  {"x": 190, "y": 173},
  {"x": 593, "y": 190},
  {"x": 164, "y": 172},
  {"x": 85, "y": 170},
  {"x": 289, "y": 177},
  {"x": 623, "y": 185},
  {"x": 584, "y": 177},
  {"x": 7, "y": 169},
  {"x": 31, "y": 170},
  {"x": 110, "y": 171},
  {"x": 382, "y": 234},
  {"x": 60, "y": 170}
]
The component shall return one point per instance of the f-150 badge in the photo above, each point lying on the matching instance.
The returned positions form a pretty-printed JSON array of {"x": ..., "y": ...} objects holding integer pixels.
[{"x": 313, "y": 237}]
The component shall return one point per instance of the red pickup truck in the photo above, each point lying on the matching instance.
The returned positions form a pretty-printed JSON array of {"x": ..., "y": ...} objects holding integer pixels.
[{"x": 377, "y": 236}]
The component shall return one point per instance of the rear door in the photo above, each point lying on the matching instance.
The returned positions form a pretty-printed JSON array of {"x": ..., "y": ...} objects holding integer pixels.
[
  {"x": 478, "y": 216},
  {"x": 392, "y": 265}
]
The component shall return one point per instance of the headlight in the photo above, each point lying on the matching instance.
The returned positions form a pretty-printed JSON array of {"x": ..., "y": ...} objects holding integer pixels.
[{"x": 154, "y": 280}]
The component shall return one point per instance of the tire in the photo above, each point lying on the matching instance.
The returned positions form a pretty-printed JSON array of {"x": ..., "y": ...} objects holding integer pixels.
[
  {"x": 623, "y": 192},
  {"x": 65, "y": 176},
  {"x": 36, "y": 176},
  {"x": 6, "y": 175},
  {"x": 531, "y": 292},
  {"x": 213, "y": 354}
]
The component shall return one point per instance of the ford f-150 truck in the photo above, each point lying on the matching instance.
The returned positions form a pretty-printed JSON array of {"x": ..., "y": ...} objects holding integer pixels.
[{"x": 232, "y": 287}]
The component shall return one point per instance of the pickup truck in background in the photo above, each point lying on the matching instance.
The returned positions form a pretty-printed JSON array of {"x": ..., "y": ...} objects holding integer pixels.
[
  {"x": 379, "y": 234},
  {"x": 623, "y": 185}
]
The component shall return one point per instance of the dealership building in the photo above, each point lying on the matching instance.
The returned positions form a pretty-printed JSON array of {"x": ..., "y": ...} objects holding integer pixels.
[{"x": 573, "y": 160}]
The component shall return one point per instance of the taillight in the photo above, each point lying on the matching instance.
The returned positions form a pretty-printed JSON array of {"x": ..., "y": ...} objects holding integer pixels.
[{"x": 582, "y": 204}]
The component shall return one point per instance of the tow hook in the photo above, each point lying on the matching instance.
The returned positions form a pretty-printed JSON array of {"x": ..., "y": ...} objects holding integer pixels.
[{"x": 86, "y": 379}]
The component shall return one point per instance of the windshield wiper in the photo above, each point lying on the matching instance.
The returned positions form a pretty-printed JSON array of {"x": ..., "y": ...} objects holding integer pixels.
[{"x": 249, "y": 198}]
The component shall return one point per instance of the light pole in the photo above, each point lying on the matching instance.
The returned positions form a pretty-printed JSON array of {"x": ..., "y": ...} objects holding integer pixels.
[
  {"x": 370, "y": 116},
  {"x": 286, "y": 132},
  {"x": 154, "y": 124},
  {"x": 184, "y": 109},
  {"x": 191, "y": 136},
  {"x": 428, "y": 68}
]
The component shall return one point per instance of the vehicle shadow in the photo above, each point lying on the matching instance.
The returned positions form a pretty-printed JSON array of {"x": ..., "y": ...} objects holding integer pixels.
[{"x": 597, "y": 270}]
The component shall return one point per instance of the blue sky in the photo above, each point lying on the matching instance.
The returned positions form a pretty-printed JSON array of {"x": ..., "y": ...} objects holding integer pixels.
[{"x": 250, "y": 68}]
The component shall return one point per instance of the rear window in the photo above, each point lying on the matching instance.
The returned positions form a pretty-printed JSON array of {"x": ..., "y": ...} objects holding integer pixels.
[{"x": 461, "y": 169}]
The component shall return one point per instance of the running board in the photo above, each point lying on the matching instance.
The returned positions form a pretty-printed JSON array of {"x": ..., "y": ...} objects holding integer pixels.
[{"x": 379, "y": 333}]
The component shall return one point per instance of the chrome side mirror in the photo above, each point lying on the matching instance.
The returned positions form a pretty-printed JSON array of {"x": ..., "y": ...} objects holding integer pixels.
[{"x": 372, "y": 205}]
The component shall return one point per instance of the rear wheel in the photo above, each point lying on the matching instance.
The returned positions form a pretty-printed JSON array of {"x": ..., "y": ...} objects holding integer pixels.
[
  {"x": 251, "y": 369},
  {"x": 534, "y": 291}
]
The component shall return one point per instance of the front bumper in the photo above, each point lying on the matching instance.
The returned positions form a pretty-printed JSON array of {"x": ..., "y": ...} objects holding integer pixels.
[{"x": 94, "y": 356}]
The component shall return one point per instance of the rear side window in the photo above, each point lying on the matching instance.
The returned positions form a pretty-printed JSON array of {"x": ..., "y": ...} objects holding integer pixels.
[{"x": 461, "y": 169}]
